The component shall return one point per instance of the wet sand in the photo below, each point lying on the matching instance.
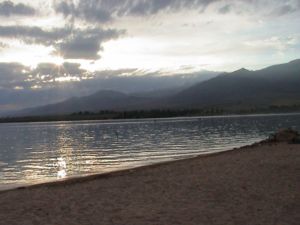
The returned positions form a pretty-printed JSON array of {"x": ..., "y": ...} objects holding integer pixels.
[{"x": 252, "y": 185}]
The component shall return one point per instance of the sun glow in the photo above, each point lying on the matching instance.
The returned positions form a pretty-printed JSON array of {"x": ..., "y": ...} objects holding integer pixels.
[
  {"x": 29, "y": 55},
  {"x": 153, "y": 55},
  {"x": 67, "y": 79}
]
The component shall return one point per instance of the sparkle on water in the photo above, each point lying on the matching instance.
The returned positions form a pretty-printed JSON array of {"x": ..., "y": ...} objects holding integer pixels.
[{"x": 40, "y": 152}]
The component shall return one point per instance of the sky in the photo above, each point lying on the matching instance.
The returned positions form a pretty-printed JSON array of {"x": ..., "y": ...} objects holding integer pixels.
[{"x": 47, "y": 42}]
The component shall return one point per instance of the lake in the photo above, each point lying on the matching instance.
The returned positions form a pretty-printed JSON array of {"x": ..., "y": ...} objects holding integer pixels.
[{"x": 40, "y": 152}]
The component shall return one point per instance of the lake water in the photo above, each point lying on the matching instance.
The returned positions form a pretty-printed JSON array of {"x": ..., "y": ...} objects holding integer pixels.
[{"x": 39, "y": 152}]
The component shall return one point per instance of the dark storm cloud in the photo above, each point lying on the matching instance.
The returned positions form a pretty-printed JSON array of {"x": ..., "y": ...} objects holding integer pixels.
[
  {"x": 8, "y": 8},
  {"x": 70, "y": 43},
  {"x": 87, "y": 44},
  {"x": 105, "y": 10}
]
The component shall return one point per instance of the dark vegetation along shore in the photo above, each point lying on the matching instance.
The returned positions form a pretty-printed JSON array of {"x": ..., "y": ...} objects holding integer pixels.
[
  {"x": 156, "y": 113},
  {"x": 256, "y": 184}
]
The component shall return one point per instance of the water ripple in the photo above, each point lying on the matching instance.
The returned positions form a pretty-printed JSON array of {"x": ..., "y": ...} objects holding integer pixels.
[{"x": 38, "y": 152}]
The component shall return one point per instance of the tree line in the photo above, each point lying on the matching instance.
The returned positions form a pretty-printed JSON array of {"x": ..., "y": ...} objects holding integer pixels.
[{"x": 155, "y": 113}]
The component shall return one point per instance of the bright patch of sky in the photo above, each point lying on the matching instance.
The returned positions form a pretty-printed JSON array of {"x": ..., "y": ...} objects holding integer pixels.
[{"x": 151, "y": 35}]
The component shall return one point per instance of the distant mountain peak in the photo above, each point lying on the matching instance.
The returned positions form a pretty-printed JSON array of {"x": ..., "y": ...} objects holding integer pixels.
[
  {"x": 242, "y": 70},
  {"x": 295, "y": 61}
]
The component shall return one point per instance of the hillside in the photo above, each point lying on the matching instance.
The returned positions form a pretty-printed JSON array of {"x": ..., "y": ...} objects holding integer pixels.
[
  {"x": 101, "y": 100},
  {"x": 279, "y": 84}
]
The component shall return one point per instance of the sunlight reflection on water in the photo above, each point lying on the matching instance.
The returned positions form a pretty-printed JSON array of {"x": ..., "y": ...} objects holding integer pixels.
[
  {"x": 62, "y": 166},
  {"x": 39, "y": 152}
]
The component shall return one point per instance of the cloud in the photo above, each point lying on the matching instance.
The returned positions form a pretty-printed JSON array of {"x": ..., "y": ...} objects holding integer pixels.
[
  {"x": 275, "y": 43},
  {"x": 284, "y": 9},
  {"x": 12, "y": 74},
  {"x": 106, "y": 10},
  {"x": 263, "y": 9},
  {"x": 3, "y": 45},
  {"x": 225, "y": 9},
  {"x": 59, "y": 70},
  {"x": 86, "y": 44},
  {"x": 22, "y": 86},
  {"x": 103, "y": 11},
  {"x": 49, "y": 74},
  {"x": 69, "y": 42},
  {"x": 35, "y": 35},
  {"x": 17, "y": 76},
  {"x": 88, "y": 10},
  {"x": 8, "y": 8}
]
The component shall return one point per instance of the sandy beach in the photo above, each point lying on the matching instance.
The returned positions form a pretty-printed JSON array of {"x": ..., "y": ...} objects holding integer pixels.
[{"x": 252, "y": 185}]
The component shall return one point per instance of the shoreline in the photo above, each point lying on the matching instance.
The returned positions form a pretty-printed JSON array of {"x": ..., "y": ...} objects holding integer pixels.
[
  {"x": 62, "y": 118},
  {"x": 117, "y": 172},
  {"x": 256, "y": 184}
]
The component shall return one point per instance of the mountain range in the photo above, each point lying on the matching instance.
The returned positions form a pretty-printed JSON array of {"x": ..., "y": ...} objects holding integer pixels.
[
  {"x": 278, "y": 84},
  {"x": 148, "y": 84},
  {"x": 274, "y": 85}
]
